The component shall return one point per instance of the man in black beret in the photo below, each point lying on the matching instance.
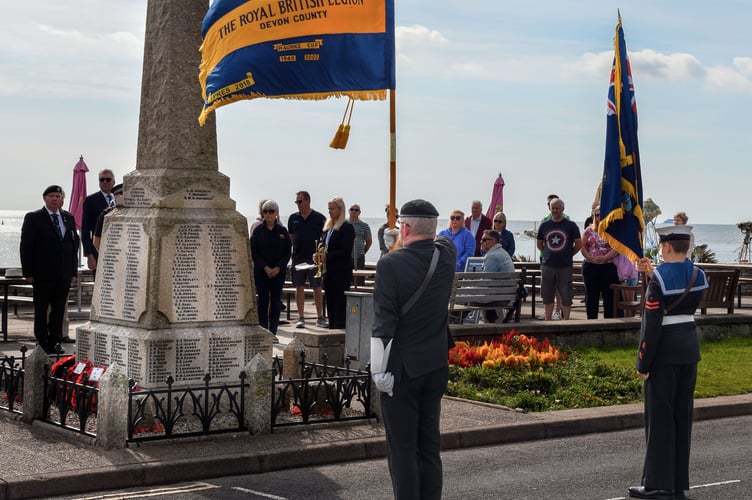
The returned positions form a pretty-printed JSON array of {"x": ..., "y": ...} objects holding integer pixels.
[
  {"x": 49, "y": 258},
  {"x": 409, "y": 349}
]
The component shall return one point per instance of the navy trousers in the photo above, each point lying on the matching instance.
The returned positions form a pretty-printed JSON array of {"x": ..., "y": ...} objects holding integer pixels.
[{"x": 411, "y": 421}]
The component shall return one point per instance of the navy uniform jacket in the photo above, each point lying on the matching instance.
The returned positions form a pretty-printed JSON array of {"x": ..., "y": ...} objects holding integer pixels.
[
  {"x": 44, "y": 256},
  {"x": 420, "y": 337},
  {"x": 670, "y": 344}
]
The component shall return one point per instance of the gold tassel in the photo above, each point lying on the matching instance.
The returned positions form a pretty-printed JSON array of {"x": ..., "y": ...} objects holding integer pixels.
[
  {"x": 336, "y": 139},
  {"x": 343, "y": 131}
]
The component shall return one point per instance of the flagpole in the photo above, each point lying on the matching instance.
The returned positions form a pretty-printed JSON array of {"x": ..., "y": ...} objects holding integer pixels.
[{"x": 392, "y": 162}]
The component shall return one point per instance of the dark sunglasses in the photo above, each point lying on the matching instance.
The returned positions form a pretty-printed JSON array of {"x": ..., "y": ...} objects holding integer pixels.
[
  {"x": 499, "y": 221},
  {"x": 269, "y": 211},
  {"x": 456, "y": 217},
  {"x": 105, "y": 179},
  {"x": 486, "y": 239},
  {"x": 355, "y": 210},
  {"x": 298, "y": 202}
]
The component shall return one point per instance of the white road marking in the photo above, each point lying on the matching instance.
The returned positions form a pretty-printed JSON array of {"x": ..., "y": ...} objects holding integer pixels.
[
  {"x": 722, "y": 483},
  {"x": 708, "y": 485},
  {"x": 265, "y": 495},
  {"x": 154, "y": 492}
]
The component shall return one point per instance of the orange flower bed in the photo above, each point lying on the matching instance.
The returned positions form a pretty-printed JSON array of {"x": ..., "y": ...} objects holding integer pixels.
[{"x": 513, "y": 350}]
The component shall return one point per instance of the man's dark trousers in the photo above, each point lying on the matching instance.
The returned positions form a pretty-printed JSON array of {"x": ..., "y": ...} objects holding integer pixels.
[
  {"x": 52, "y": 294},
  {"x": 411, "y": 420}
]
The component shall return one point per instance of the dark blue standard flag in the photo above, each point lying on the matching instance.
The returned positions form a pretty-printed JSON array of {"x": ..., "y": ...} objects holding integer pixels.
[{"x": 621, "y": 193}]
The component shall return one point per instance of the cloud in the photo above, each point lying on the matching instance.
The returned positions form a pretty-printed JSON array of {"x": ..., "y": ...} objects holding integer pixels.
[
  {"x": 417, "y": 34},
  {"x": 648, "y": 64}
]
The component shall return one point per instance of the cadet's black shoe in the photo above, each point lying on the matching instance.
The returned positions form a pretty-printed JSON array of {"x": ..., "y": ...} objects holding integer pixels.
[
  {"x": 642, "y": 492},
  {"x": 68, "y": 340}
]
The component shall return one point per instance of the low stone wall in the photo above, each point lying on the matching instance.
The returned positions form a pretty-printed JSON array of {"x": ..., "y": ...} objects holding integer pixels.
[{"x": 604, "y": 332}]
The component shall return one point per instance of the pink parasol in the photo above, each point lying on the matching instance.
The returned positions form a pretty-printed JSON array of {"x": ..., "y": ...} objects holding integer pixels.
[
  {"x": 78, "y": 193},
  {"x": 497, "y": 198}
]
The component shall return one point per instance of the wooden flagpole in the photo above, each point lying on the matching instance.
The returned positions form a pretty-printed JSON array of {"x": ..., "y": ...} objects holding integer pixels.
[{"x": 392, "y": 162}]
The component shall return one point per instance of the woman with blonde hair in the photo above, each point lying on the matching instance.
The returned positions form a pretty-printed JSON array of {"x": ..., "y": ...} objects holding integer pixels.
[
  {"x": 462, "y": 238},
  {"x": 339, "y": 238}
]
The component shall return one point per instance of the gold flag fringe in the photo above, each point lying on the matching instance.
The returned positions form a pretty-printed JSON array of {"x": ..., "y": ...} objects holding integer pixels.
[{"x": 361, "y": 95}]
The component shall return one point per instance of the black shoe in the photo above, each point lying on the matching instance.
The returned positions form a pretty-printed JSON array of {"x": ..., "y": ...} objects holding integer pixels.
[
  {"x": 680, "y": 495},
  {"x": 643, "y": 492},
  {"x": 53, "y": 351},
  {"x": 68, "y": 340}
]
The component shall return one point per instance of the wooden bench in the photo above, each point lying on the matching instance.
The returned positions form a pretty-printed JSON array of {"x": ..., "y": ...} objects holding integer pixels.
[
  {"x": 288, "y": 292},
  {"x": 723, "y": 285},
  {"x": 482, "y": 291}
]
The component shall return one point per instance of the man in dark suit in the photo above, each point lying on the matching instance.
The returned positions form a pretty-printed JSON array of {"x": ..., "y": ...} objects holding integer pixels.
[
  {"x": 409, "y": 340},
  {"x": 476, "y": 223},
  {"x": 94, "y": 205},
  {"x": 49, "y": 258}
]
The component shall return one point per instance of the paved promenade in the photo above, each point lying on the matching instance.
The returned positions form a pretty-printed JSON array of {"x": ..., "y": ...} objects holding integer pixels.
[{"x": 40, "y": 460}]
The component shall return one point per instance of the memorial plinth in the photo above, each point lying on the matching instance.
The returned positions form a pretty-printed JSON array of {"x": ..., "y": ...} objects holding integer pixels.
[{"x": 174, "y": 294}]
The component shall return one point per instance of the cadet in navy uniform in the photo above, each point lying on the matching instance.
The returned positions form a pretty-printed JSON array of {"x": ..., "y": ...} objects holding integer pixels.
[
  {"x": 409, "y": 349},
  {"x": 49, "y": 257},
  {"x": 667, "y": 361}
]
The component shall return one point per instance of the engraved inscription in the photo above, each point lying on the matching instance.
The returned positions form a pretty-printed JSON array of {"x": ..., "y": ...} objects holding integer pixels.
[
  {"x": 135, "y": 360},
  {"x": 210, "y": 278},
  {"x": 157, "y": 355},
  {"x": 188, "y": 360},
  {"x": 137, "y": 197},
  {"x": 118, "y": 350},
  {"x": 122, "y": 266},
  {"x": 223, "y": 360}
]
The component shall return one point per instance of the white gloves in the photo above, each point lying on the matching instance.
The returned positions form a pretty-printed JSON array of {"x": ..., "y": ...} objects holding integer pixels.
[
  {"x": 383, "y": 379},
  {"x": 384, "y": 382}
]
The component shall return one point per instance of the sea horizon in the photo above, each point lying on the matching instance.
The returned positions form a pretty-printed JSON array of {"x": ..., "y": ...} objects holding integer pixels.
[{"x": 724, "y": 240}]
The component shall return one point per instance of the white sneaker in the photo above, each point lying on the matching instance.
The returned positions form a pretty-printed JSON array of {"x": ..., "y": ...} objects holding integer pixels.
[
  {"x": 556, "y": 315},
  {"x": 322, "y": 322},
  {"x": 300, "y": 323}
]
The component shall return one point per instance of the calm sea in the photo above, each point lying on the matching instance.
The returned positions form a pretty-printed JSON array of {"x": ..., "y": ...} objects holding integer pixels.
[{"x": 723, "y": 239}]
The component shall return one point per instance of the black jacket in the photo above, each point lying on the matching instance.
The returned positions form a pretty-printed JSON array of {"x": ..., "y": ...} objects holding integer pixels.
[
  {"x": 420, "y": 336},
  {"x": 94, "y": 204},
  {"x": 44, "y": 256}
]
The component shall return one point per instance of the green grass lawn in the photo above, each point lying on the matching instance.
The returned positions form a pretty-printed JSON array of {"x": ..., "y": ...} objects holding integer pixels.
[{"x": 599, "y": 377}]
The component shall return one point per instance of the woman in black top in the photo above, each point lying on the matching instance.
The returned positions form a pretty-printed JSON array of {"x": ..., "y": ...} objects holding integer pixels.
[
  {"x": 339, "y": 237},
  {"x": 270, "y": 250}
]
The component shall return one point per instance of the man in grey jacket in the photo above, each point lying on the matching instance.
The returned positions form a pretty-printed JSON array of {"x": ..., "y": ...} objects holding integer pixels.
[{"x": 409, "y": 349}]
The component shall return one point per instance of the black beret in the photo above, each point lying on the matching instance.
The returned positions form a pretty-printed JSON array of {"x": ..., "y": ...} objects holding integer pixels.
[
  {"x": 53, "y": 189},
  {"x": 118, "y": 189},
  {"x": 418, "y": 208}
]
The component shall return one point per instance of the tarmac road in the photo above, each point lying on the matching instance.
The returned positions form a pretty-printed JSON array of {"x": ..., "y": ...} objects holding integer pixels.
[{"x": 595, "y": 466}]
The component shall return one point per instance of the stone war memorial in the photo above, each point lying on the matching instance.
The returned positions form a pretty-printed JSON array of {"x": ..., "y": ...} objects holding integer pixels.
[{"x": 174, "y": 294}]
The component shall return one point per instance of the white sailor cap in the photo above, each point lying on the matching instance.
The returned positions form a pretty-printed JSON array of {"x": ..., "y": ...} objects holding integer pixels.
[{"x": 673, "y": 233}]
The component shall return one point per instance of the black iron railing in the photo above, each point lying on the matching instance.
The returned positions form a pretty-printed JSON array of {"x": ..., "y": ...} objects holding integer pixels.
[
  {"x": 71, "y": 398},
  {"x": 324, "y": 393},
  {"x": 185, "y": 411},
  {"x": 11, "y": 382}
]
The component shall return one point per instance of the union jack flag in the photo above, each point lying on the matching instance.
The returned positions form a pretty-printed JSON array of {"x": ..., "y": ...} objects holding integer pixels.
[{"x": 621, "y": 223}]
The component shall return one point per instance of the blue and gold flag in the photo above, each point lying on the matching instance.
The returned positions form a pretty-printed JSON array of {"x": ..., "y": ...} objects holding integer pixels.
[
  {"x": 296, "y": 49},
  {"x": 621, "y": 223}
]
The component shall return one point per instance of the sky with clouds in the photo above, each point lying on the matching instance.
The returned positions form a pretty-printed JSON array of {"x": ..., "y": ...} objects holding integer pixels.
[{"x": 510, "y": 87}]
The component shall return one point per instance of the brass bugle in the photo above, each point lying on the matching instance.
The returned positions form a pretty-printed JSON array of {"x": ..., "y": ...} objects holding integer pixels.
[{"x": 320, "y": 260}]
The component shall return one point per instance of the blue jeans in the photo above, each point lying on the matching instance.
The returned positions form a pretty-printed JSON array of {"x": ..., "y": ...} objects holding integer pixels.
[{"x": 269, "y": 292}]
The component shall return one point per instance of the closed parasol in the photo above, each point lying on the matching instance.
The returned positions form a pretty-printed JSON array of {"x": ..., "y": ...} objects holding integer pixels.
[
  {"x": 78, "y": 193},
  {"x": 497, "y": 198}
]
